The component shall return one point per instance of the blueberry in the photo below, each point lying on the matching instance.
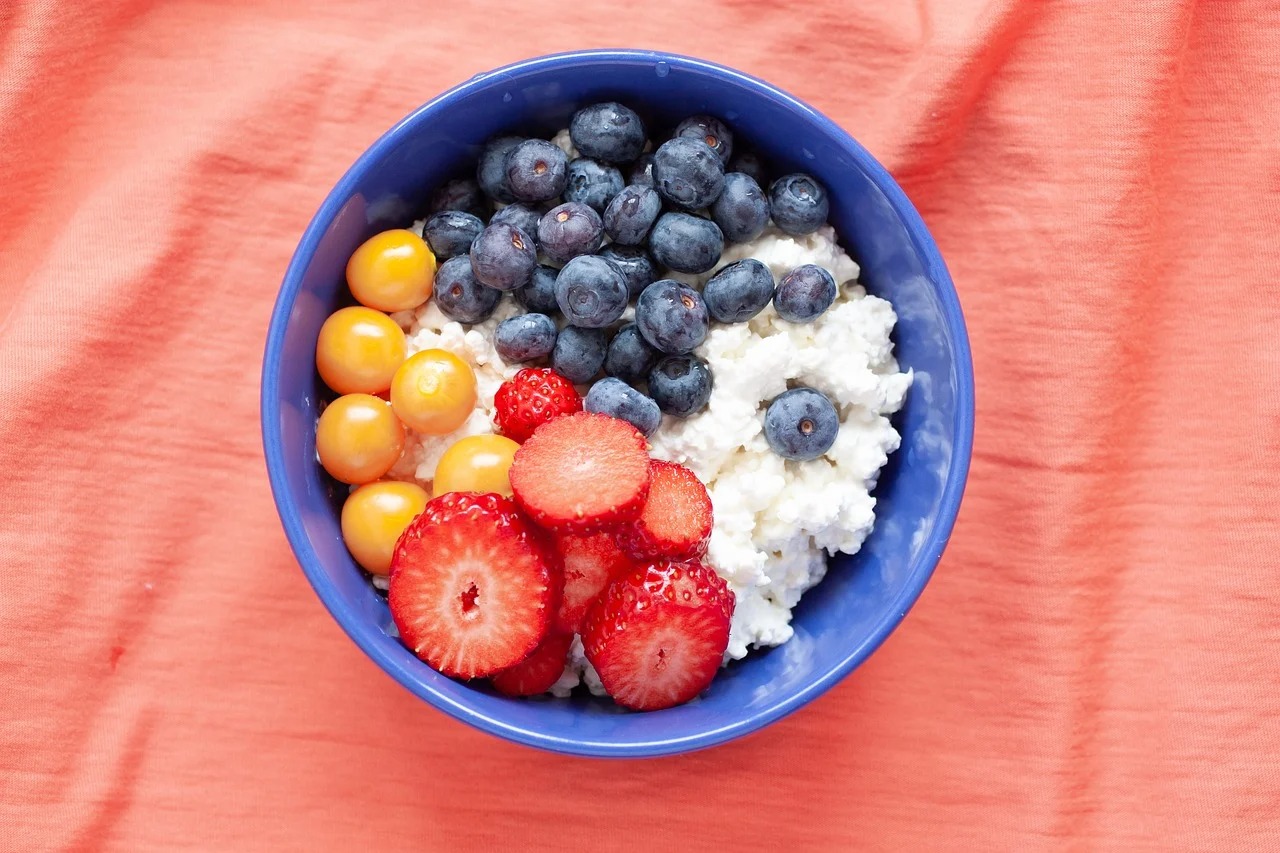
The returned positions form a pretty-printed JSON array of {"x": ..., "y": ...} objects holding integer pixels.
[
  {"x": 709, "y": 130},
  {"x": 569, "y": 230},
  {"x": 491, "y": 171},
  {"x": 798, "y": 204},
  {"x": 609, "y": 132},
  {"x": 631, "y": 214},
  {"x": 687, "y": 173},
  {"x": 642, "y": 171},
  {"x": 680, "y": 385},
  {"x": 635, "y": 264},
  {"x": 460, "y": 296},
  {"x": 749, "y": 163},
  {"x": 539, "y": 295},
  {"x": 739, "y": 291},
  {"x": 804, "y": 293},
  {"x": 686, "y": 243},
  {"x": 592, "y": 183},
  {"x": 460, "y": 194},
  {"x": 525, "y": 337},
  {"x": 450, "y": 233},
  {"x": 672, "y": 317},
  {"x": 579, "y": 353},
  {"x": 591, "y": 291},
  {"x": 612, "y": 396},
  {"x": 503, "y": 257},
  {"x": 536, "y": 170},
  {"x": 630, "y": 358},
  {"x": 742, "y": 211},
  {"x": 801, "y": 424},
  {"x": 523, "y": 216}
]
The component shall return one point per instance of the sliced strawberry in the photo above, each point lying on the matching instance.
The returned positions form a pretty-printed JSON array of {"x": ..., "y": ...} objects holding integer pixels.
[
  {"x": 657, "y": 636},
  {"x": 676, "y": 520},
  {"x": 473, "y": 585},
  {"x": 590, "y": 561},
  {"x": 582, "y": 472},
  {"x": 536, "y": 673}
]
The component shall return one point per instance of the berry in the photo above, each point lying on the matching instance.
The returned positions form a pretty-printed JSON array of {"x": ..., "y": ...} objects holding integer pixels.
[
  {"x": 525, "y": 337},
  {"x": 458, "y": 294},
  {"x": 709, "y": 130},
  {"x": 641, "y": 171},
  {"x": 749, "y": 163},
  {"x": 461, "y": 194},
  {"x": 523, "y": 216},
  {"x": 592, "y": 183},
  {"x": 579, "y": 353},
  {"x": 590, "y": 561},
  {"x": 675, "y": 523},
  {"x": 536, "y": 673},
  {"x": 450, "y": 233},
  {"x": 634, "y": 263},
  {"x": 658, "y": 634},
  {"x": 473, "y": 586},
  {"x": 539, "y": 295},
  {"x": 672, "y": 317},
  {"x": 503, "y": 257},
  {"x": 591, "y": 292},
  {"x": 629, "y": 357},
  {"x": 530, "y": 399},
  {"x": 804, "y": 293},
  {"x": 798, "y": 204},
  {"x": 536, "y": 170},
  {"x": 686, "y": 243},
  {"x": 491, "y": 171},
  {"x": 742, "y": 211},
  {"x": 801, "y": 424},
  {"x": 680, "y": 385},
  {"x": 569, "y": 230},
  {"x": 609, "y": 132},
  {"x": 631, "y": 214},
  {"x": 687, "y": 173},
  {"x": 582, "y": 472},
  {"x": 739, "y": 291},
  {"x": 611, "y": 396}
]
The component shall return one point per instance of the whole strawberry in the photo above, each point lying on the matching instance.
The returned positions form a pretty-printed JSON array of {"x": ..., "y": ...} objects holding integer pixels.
[
  {"x": 658, "y": 634},
  {"x": 474, "y": 585},
  {"x": 530, "y": 399}
]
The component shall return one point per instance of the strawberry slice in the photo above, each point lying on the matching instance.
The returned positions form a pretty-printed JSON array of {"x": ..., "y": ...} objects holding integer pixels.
[
  {"x": 582, "y": 472},
  {"x": 590, "y": 561},
  {"x": 536, "y": 673},
  {"x": 473, "y": 585},
  {"x": 657, "y": 636},
  {"x": 676, "y": 520}
]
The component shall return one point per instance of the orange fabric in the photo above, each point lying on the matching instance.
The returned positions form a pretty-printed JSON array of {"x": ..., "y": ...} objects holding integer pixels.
[{"x": 1094, "y": 665}]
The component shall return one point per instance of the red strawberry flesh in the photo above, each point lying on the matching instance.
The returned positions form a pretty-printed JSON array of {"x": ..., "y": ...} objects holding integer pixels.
[
  {"x": 582, "y": 472},
  {"x": 676, "y": 520},
  {"x": 536, "y": 673},
  {"x": 473, "y": 587},
  {"x": 590, "y": 561},
  {"x": 657, "y": 636}
]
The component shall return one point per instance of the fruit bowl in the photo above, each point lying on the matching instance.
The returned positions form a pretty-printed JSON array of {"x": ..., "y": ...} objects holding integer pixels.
[{"x": 842, "y": 620}]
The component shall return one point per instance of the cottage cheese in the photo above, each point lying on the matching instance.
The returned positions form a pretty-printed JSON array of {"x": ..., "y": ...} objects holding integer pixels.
[{"x": 775, "y": 521}]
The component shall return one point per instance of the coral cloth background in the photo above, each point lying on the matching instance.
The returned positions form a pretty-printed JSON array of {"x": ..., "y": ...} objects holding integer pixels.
[{"x": 1094, "y": 665}]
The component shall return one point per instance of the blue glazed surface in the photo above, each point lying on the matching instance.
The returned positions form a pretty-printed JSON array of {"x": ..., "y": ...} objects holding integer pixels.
[{"x": 863, "y": 598}]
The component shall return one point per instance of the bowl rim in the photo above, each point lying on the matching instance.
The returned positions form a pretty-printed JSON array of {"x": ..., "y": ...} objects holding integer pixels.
[{"x": 362, "y": 632}]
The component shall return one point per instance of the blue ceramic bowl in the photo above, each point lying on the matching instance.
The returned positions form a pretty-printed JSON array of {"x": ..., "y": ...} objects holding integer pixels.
[{"x": 841, "y": 621}]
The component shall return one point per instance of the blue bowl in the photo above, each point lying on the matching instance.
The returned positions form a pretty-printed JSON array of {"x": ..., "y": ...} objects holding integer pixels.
[{"x": 863, "y": 598}]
